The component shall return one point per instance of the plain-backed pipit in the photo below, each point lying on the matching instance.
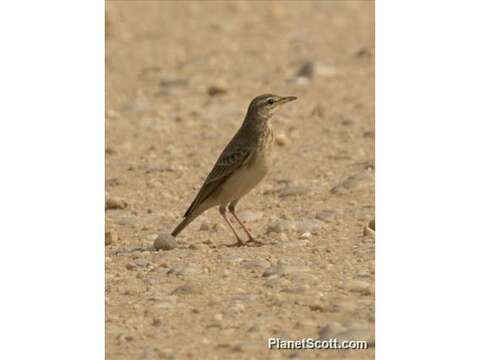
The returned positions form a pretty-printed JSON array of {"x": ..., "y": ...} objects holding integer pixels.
[{"x": 241, "y": 166}]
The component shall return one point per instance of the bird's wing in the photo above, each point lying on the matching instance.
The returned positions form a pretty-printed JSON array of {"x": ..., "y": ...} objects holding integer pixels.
[{"x": 227, "y": 163}]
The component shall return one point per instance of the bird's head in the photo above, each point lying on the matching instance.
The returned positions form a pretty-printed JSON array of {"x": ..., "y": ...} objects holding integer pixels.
[{"x": 265, "y": 105}]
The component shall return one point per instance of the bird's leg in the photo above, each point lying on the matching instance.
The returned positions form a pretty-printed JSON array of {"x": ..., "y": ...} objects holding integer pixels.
[
  {"x": 223, "y": 212},
  {"x": 231, "y": 208}
]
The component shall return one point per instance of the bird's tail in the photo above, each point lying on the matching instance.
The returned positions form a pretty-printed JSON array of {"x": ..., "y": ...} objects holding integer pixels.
[{"x": 187, "y": 220}]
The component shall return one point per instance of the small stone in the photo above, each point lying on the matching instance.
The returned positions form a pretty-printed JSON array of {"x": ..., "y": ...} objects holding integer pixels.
[
  {"x": 368, "y": 232},
  {"x": 111, "y": 237},
  {"x": 130, "y": 266},
  {"x": 371, "y": 224},
  {"x": 318, "y": 306},
  {"x": 217, "y": 89},
  {"x": 362, "y": 52},
  {"x": 282, "y": 139},
  {"x": 359, "y": 286},
  {"x": 307, "y": 70},
  {"x": 114, "y": 181},
  {"x": 353, "y": 182},
  {"x": 165, "y": 242},
  {"x": 274, "y": 271},
  {"x": 114, "y": 203},
  {"x": 187, "y": 289},
  {"x": 218, "y": 227},
  {"x": 204, "y": 227},
  {"x": 306, "y": 235},
  {"x": 311, "y": 69},
  {"x": 142, "y": 262}
]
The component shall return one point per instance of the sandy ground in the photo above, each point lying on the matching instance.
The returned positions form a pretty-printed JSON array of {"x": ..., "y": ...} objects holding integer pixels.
[{"x": 179, "y": 79}]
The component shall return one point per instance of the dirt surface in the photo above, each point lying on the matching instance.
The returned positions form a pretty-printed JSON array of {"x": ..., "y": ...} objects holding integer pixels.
[{"x": 179, "y": 79}]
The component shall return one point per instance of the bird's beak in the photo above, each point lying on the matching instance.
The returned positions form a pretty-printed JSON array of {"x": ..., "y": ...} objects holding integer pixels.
[{"x": 286, "y": 99}]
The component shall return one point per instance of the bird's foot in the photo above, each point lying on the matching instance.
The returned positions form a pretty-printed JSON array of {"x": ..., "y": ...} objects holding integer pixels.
[
  {"x": 254, "y": 242},
  {"x": 237, "y": 244}
]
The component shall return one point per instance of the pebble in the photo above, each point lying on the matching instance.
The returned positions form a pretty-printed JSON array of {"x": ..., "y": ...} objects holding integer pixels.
[
  {"x": 362, "y": 52},
  {"x": 371, "y": 224},
  {"x": 319, "y": 306},
  {"x": 185, "y": 271},
  {"x": 204, "y": 227},
  {"x": 306, "y": 235},
  {"x": 217, "y": 89},
  {"x": 282, "y": 139},
  {"x": 114, "y": 203},
  {"x": 311, "y": 69},
  {"x": 218, "y": 227},
  {"x": 274, "y": 271},
  {"x": 359, "y": 286},
  {"x": 307, "y": 70},
  {"x": 368, "y": 232},
  {"x": 187, "y": 289},
  {"x": 165, "y": 241},
  {"x": 114, "y": 181},
  {"x": 111, "y": 237},
  {"x": 142, "y": 262},
  {"x": 352, "y": 183}
]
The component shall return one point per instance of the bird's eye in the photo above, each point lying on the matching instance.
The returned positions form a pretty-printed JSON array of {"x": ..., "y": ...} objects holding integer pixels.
[{"x": 270, "y": 101}]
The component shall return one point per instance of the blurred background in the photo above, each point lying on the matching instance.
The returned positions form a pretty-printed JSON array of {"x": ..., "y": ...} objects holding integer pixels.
[{"x": 179, "y": 78}]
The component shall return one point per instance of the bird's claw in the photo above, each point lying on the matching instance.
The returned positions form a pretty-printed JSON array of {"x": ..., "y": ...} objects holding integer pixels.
[
  {"x": 237, "y": 244},
  {"x": 254, "y": 242}
]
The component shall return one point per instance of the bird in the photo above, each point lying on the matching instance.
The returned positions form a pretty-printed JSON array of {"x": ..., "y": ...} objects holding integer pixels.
[{"x": 240, "y": 167}]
